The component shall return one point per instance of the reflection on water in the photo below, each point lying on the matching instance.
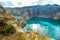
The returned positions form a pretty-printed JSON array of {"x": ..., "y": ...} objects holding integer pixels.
[{"x": 45, "y": 24}]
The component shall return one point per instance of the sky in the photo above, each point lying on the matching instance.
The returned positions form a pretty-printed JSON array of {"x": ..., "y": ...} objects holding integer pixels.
[{"x": 21, "y": 3}]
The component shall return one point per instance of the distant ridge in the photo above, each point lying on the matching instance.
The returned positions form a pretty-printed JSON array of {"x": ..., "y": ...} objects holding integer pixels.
[{"x": 50, "y": 11}]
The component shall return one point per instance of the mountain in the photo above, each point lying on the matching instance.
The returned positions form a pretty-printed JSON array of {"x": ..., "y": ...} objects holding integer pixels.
[{"x": 48, "y": 11}]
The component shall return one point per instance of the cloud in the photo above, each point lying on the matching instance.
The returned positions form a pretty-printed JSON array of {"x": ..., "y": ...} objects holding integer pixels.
[
  {"x": 56, "y": 1},
  {"x": 27, "y": 2},
  {"x": 18, "y": 3},
  {"x": 1, "y": 3}
]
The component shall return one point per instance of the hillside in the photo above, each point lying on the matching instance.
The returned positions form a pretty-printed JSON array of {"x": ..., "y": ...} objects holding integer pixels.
[
  {"x": 11, "y": 29},
  {"x": 48, "y": 11}
]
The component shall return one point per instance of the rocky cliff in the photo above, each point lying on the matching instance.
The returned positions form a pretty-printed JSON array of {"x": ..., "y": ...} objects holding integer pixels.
[{"x": 48, "y": 11}]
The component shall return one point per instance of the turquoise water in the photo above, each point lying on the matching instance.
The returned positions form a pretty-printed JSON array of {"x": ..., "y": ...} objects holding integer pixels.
[{"x": 53, "y": 26}]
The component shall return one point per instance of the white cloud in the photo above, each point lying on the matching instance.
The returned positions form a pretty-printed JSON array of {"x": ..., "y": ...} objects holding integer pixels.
[
  {"x": 17, "y": 2},
  {"x": 47, "y": 2},
  {"x": 29, "y": 2},
  {"x": 5, "y": 0},
  {"x": 56, "y": 1}
]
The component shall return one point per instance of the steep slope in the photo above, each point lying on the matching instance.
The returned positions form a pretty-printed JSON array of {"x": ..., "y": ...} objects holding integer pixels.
[{"x": 48, "y": 11}]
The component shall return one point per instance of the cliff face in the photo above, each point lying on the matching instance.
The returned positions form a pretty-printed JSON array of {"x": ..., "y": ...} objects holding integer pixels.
[{"x": 48, "y": 11}]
